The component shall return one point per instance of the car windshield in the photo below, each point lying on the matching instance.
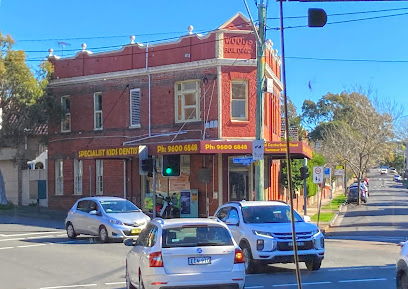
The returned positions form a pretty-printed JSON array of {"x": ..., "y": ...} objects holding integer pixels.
[
  {"x": 196, "y": 235},
  {"x": 118, "y": 206},
  {"x": 268, "y": 214}
]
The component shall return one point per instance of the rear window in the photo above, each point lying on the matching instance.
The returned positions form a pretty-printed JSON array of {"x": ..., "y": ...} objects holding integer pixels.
[{"x": 192, "y": 236}]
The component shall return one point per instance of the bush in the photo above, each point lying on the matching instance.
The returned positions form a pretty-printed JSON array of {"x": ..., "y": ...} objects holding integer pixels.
[{"x": 8, "y": 206}]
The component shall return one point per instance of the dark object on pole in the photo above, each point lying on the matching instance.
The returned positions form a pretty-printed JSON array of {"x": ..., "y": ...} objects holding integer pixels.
[
  {"x": 147, "y": 165},
  {"x": 171, "y": 166},
  {"x": 317, "y": 17},
  {"x": 3, "y": 198},
  {"x": 304, "y": 173}
]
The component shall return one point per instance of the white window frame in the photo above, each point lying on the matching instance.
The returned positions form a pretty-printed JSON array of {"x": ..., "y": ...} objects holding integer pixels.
[
  {"x": 135, "y": 106},
  {"x": 99, "y": 177},
  {"x": 240, "y": 82},
  {"x": 98, "y": 112},
  {"x": 179, "y": 94},
  {"x": 78, "y": 174},
  {"x": 59, "y": 177},
  {"x": 67, "y": 114}
]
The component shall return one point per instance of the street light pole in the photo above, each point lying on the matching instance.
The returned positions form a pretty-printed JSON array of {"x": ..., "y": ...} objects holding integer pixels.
[{"x": 260, "y": 77}]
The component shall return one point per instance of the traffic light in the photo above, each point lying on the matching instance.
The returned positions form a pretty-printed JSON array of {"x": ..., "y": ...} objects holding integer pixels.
[
  {"x": 304, "y": 172},
  {"x": 148, "y": 165},
  {"x": 171, "y": 166},
  {"x": 316, "y": 17}
]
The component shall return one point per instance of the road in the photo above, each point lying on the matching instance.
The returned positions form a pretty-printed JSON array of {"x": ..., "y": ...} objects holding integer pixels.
[{"x": 360, "y": 251}]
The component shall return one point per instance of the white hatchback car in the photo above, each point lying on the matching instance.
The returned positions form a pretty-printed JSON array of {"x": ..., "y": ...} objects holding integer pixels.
[
  {"x": 184, "y": 253},
  {"x": 402, "y": 267}
]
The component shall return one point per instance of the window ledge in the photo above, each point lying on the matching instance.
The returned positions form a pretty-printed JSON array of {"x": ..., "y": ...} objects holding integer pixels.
[{"x": 135, "y": 126}]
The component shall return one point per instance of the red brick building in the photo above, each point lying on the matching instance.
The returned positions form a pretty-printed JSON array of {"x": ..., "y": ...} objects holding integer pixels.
[{"x": 195, "y": 97}]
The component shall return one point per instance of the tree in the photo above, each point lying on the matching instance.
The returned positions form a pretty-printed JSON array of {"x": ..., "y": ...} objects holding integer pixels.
[
  {"x": 24, "y": 103},
  {"x": 350, "y": 130}
]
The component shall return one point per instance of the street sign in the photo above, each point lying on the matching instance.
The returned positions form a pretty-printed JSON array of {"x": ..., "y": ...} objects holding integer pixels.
[
  {"x": 243, "y": 160},
  {"x": 318, "y": 175},
  {"x": 269, "y": 87},
  {"x": 326, "y": 172},
  {"x": 258, "y": 149},
  {"x": 339, "y": 172}
]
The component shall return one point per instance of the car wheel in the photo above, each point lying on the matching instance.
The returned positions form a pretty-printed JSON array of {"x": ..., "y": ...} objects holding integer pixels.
[
  {"x": 250, "y": 264},
  {"x": 402, "y": 281},
  {"x": 128, "y": 283},
  {"x": 313, "y": 265},
  {"x": 103, "y": 234},
  {"x": 71, "y": 231}
]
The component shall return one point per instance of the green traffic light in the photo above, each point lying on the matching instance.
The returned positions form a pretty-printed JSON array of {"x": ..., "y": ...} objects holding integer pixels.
[{"x": 168, "y": 171}]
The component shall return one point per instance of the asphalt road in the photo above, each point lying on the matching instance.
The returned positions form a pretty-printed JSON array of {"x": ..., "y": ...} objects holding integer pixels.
[{"x": 361, "y": 251}]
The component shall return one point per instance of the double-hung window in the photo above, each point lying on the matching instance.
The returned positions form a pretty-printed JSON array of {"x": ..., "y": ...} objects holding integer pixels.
[
  {"x": 135, "y": 98},
  {"x": 59, "y": 177},
  {"x": 78, "y": 177},
  {"x": 66, "y": 114},
  {"x": 239, "y": 100},
  {"x": 99, "y": 177},
  {"x": 187, "y": 100},
  {"x": 98, "y": 117}
]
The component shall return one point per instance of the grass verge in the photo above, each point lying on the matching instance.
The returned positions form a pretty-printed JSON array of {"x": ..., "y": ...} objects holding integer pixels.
[
  {"x": 8, "y": 206},
  {"x": 324, "y": 217},
  {"x": 329, "y": 210}
]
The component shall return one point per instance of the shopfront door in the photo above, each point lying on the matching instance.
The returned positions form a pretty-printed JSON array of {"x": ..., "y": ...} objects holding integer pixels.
[{"x": 240, "y": 181}]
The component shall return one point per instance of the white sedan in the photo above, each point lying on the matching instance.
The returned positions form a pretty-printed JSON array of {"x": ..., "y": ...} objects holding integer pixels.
[{"x": 184, "y": 253}]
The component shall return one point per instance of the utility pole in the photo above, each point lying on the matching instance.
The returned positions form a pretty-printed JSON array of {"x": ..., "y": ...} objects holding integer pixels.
[
  {"x": 260, "y": 79},
  {"x": 305, "y": 189}
]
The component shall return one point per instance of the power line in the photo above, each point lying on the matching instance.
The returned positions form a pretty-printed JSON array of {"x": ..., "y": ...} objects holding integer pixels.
[{"x": 347, "y": 60}]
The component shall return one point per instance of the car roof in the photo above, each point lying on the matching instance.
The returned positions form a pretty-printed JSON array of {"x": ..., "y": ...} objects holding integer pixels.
[
  {"x": 257, "y": 203},
  {"x": 102, "y": 198},
  {"x": 167, "y": 223}
]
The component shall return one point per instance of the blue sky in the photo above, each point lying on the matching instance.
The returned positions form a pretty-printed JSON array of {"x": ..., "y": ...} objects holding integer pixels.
[{"x": 348, "y": 44}]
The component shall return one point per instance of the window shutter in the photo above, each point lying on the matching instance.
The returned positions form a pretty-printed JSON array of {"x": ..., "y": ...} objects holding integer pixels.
[{"x": 135, "y": 107}]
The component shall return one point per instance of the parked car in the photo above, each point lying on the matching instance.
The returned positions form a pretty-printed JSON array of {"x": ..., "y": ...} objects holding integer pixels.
[
  {"x": 263, "y": 230},
  {"x": 402, "y": 267},
  {"x": 184, "y": 253},
  {"x": 397, "y": 178},
  {"x": 384, "y": 171},
  {"x": 106, "y": 217},
  {"x": 392, "y": 170},
  {"x": 352, "y": 194}
]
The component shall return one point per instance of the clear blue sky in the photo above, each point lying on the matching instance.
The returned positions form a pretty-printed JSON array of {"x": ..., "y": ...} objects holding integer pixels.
[{"x": 378, "y": 39}]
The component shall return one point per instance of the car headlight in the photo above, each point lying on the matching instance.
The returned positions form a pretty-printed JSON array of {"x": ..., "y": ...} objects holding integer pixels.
[
  {"x": 262, "y": 234},
  {"x": 114, "y": 221},
  {"x": 315, "y": 232}
]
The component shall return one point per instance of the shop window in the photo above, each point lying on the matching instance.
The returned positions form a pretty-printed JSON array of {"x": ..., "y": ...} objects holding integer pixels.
[
  {"x": 99, "y": 177},
  {"x": 135, "y": 99},
  {"x": 66, "y": 114},
  {"x": 239, "y": 181},
  {"x": 78, "y": 177},
  {"x": 59, "y": 177},
  {"x": 98, "y": 117},
  {"x": 187, "y": 101},
  {"x": 239, "y": 100}
]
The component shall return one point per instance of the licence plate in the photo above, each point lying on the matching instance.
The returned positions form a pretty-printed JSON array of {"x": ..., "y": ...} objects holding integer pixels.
[
  {"x": 199, "y": 260},
  {"x": 135, "y": 231},
  {"x": 298, "y": 243}
]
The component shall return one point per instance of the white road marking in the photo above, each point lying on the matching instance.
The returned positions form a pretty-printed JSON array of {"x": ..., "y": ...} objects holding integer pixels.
[
  {"x": 303, "y": 283},
  {"x": 363, "y": 268},
  {"x": 27, "y": 238},
  {"x": 363, "y": 280},
  {"x": 33, "y": 245},
  {"x": 120, "y": 283},
  {"x": 36, "y": 233},
  {"x": 254, "y": 287},
  {"x": 69, "y": 286},
  {"x": 4, "y": 248}
]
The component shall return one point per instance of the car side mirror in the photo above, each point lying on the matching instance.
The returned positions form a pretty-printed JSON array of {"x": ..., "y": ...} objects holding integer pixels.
[
  {"x": 232, "y": 221},
  {"x": 93, "y": 212},
  {"x": 307, "y": 219},
  {"x": 129, "y": 242}
]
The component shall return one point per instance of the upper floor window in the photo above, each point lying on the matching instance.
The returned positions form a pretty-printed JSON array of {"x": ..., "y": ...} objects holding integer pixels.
[
  {"x": 59, "y": 177},
  {"x": 187, "y": 100},
  {"x": 78, "y": 177},
  {"x": 66, "y": 114},
  {"x": 239, "y": 100},
  {"x": 98, "y": 118},
  {"x": 135, "y": 97}
]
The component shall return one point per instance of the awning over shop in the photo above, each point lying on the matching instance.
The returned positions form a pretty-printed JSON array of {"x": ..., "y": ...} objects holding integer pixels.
[{"x": 276, "y": 149}]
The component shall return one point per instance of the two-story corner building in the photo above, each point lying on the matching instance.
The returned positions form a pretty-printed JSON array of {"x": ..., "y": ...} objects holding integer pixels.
[{"x": 195, "y": 97}]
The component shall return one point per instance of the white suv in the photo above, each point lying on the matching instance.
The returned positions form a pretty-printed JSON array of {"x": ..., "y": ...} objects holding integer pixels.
[
  {"x": 185, "y": 253},
  {"x": 263, "y": 230}
]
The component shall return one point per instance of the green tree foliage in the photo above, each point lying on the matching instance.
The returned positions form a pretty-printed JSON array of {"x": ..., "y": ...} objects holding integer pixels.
[
  {"x": 297, "y": 181},
  {"x": 23, "y": 100},
  {"x": 349, "y": 129},
  {"x": 316, "y": 161}
]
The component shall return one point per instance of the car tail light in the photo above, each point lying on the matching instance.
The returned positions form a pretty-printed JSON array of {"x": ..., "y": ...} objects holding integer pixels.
[
  {"x": 239, "y": 257},
  {"x": 155, "y": 259}
]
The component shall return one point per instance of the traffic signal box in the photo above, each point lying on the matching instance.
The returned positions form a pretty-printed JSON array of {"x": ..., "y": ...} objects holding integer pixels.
[
  {"x": 304, "y": 172},
  {"x": 171, "y": 166},
  {"x": 148, "y": 165}
]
